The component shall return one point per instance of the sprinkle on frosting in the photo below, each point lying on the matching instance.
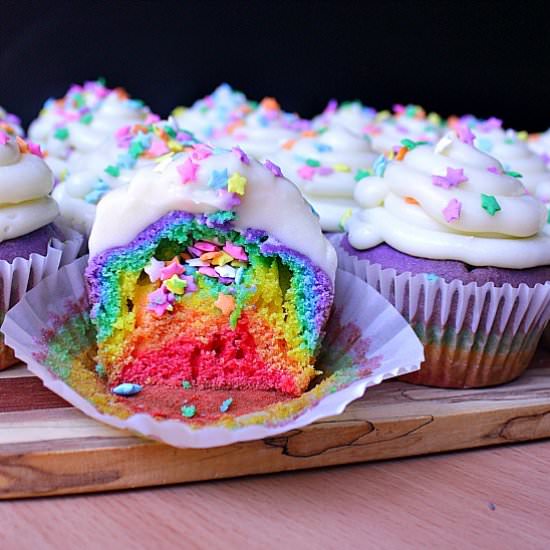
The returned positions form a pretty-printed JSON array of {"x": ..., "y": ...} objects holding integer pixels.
[
  {"x": 489, "y": 204},
  {"x": 452, "y": 211},
  {"x": 452, "y": 178}
]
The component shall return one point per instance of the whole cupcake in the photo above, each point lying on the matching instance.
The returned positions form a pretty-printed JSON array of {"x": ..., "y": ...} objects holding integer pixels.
[
  {"x": 136, "y": 146},
  {"x": 511, "y": 149},
  {"x": 31, "y": 246},
  {"x": 351, "y": 115},
  {"x": 405, "y": 122},
  {"x": 326, "y": 165},
  {"x": 210, "y": 117},
  {"x": 456, "y": 244},
  {"x": 82, "y": 121},
  {"x": 194, "y": 279}
]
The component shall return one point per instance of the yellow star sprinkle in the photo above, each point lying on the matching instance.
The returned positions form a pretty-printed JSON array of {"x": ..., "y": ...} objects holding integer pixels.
[
  {"x": 236, "y": 183},
  {"x": 175, "y": 285}
]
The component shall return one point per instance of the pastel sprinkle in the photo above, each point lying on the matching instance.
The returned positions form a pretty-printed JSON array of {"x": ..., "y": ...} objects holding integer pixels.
[
  {"x": 173, "y": 268},
  {"x": 113, "y": 171},
  {"x": 513, "y": 173},
  {"x": 154, "y": 269},
  {"x": 236, "y": 251},
  {"x": 243, "y": 157},
  {"x": 489, "y": 204},
  {"x": 345, "y": 217},
  {"x": 224, "y": 407},
  {"x": 361, "y": 174},
  {"x": 306, "y": 172},
  {"x": 452, "y": 178},
  {"x": 188, "y": 171},
  {"x": 225, "y": 303},
  {"x": 186, "y": 385},
  {"x": 4, "y": 138},
  {"x": 127, "y": 389},
  {"x": 218, "y": 179},
  {"x": 494, "y": 170},
  {"x": 340, "y": 167},
  {"x": 61, "y": 133},
  {"x": 313, "y": 162},
  {"x": 451, "y": 212},
  {"x": 443, "y": 144},
  {"x": 273, "y": 168},
  {"x": 175, "y": 285},
  {"x": 189, "y": 411},
  {"x": 236, "y": 184},
  {"x": 432, "y": 277},
  {"x": 465, "y": 135}
]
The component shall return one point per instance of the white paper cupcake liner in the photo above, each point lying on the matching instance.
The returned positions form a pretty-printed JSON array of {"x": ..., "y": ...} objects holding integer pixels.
[
  {"x": 473, "y": 335},
  {"x": 22, "y": 274},
  {"x": 367, "y": 342}
]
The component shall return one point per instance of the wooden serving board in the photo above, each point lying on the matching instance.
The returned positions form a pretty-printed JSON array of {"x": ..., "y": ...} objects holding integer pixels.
[{"x": 49, "y": 448}]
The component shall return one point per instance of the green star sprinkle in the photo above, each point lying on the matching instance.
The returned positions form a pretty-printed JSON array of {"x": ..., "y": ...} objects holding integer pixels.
[
  {"x": 135, "y": 149},
  {"x": 313, "y": 163},
  {"x": 513, "y": 173},
  {"x": 189, "y": 411},
  {"x": 186, "y": 385},
  {"x": 86, "y": 119},
  {"x": 410, "y": 144},
  {"x": 361, "y": 174},
  {"x": 113, "y": 171},
  {"x": 61, "y": 134},
  {"x": 175, "y": 285},
  {"x": 170, "y": 131},
  {"x": 489, "y": 204}
]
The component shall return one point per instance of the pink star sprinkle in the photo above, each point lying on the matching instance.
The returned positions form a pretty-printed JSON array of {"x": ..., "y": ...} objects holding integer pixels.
[
  {"x": 452, "y": 211},
  {"x": 201, "y": 152},
  {"x": 4, "y": 138},
  {"x": 158, "y": 148},
  {"x": 188, "y": 171},
  {"x": 209, "y": 272},
  {"x": 451, "y": 179},
  {"x": 173, "y": 268},
  {"x": 206, "y": 247},
  {"x": 235, "y": 251},
  {"x": 465, "y": 135},
  {"x": 494, "y": 170},
  {"x": 306, "y": 172}
]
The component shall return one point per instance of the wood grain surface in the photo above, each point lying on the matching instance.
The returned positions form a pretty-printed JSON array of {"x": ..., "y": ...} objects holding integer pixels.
[
  {"x": 50, "y": 448},
  {"x": 495, "y": 498}
]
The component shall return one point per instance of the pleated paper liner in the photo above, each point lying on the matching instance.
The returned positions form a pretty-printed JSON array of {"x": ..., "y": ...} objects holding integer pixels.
[
  {"x": 367, "y": 342},
  {"x": 22, "y": 274},
  {"x": 473, "y": 336}
]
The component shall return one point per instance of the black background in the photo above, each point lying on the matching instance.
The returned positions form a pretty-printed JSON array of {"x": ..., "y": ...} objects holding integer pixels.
[{"x": 485, "y": 57}]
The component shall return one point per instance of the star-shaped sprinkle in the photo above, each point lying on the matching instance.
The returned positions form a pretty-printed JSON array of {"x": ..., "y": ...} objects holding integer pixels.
[
  {"x": 159, "y": 302},
  {"x": 175, "y": 285},
  {"x": 154, "y": 269},
  {"x": 189, "y": 411},
  {"x": 489, "y": 204},
  {"x": 35, "y": 149},
  {"x": 273, "y": 168},
  {"x": 465, "y": 135},
  {"x": 224, "y": 407},
  {"x": 243, "y": 157},
  {"x": 4, "y": 138},
  {"x": 218, "y": 179},
  {"x": 186, "y": 385},
  {"x": 225, "y": 303},
  {"x": 113, "y": 171},
  {"x": 442, "y": 145},
  {"x": 451, "y": 212},
  {"x": 453, "y": 178},
  {"x": 158, "y": 148},
  {"x": 306, "y": 172},
  {"x": 361, "y": 174},
  {"x": 230, "y": 200},
  {"x": 236, "y": 183},
  {"x": 235, "y": 251},
  {"x": 173, "y": 268},
  {"x": 188, "y": 171},
  {"x": 61, "y": 133},
  {"x": 494, "y": 170}
]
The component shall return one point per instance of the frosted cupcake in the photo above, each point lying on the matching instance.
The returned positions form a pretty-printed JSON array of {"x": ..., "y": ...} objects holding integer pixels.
[
  {"x": 351, "y": 115},
  {"x": 31, "y": 247},
  {"x": 10, "y": 123},
  {"x": 406, "y": 122},
  {"x": 210, "y": 117},
  {"x": 263, "y": 130},
  {"x": 83, "y": 121},
  {"x": 136, "y": 146},
  {"x": 455, "y": 243},
  {"x": 511, "y": 149},
  {"x": 326, "y": 166},
  {"x": 194, "y": 279}
]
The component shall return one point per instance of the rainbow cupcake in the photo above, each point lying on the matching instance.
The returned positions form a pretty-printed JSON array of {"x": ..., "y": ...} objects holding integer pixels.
[{"x": 194, "y": 279}]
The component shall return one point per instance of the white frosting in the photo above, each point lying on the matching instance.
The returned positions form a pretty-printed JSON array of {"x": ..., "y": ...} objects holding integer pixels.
[
  {"x": 410, "y": 122},
  {"x": 352, "y": 116},
  {"x": 540, "y": 144},
  {"x": 208, "y": 118},
  {"x": 270, "y": 203},
  {"x": 513, "y": 152},
  {"x": 10, "y": 123},
  {"x": 264, "y": 130},
  {"x": 25, "y": 182},
  {"x": 416, "y": 217},
  {"x": 328, "y": 187}
]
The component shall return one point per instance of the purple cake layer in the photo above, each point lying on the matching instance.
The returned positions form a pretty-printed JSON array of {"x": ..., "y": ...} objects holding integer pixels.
[
  {"x": 449, "y": 270},
  {"x": 35, "y": 242}
]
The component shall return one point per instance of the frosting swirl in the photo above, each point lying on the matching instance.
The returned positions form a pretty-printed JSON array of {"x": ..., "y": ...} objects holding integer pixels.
[
  {"x": 326, "y": 165},
  {"x": 25, "y": 183},
  {"x": 9, "y": 123},
  {"x": 213, "y": 182},
  {"x": 351, "y": 115},
  {"x": 453, "y": 201},
  {"x": 406, "y": 122}
]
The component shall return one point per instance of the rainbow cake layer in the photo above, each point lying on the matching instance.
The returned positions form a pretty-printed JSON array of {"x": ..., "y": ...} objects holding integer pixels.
[{"x": 193, "y": 301}]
